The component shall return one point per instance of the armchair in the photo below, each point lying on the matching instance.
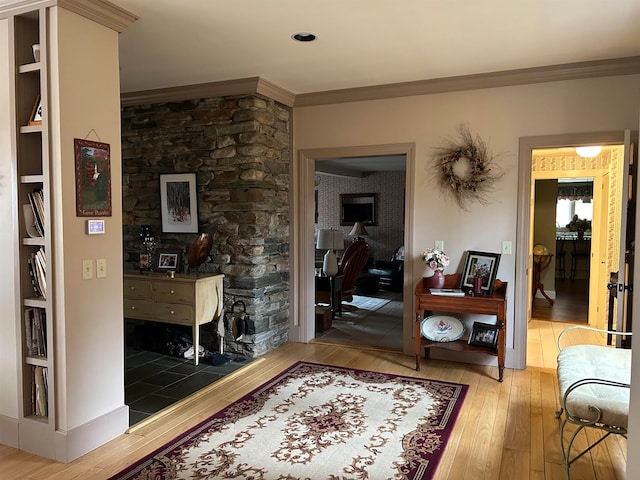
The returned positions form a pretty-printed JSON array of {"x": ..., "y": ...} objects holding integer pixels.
[
  {"x": 390, "y": 272},
  {"x": 351, "y": 264}
]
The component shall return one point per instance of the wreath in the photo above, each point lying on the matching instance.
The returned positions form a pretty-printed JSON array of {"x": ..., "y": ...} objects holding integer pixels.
[{"x": 465, "y": 169}]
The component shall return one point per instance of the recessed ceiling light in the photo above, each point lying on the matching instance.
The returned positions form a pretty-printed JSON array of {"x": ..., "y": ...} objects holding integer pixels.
[
  {"x": 304, "y": 37},
  {"x": 588, "y": 152}
]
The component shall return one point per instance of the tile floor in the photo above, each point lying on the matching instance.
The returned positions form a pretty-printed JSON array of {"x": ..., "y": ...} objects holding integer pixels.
[{"x": 154, "y": 381}]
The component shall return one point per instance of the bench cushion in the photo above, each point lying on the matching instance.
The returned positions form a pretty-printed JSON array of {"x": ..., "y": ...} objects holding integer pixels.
[{"x": 591, "y": 361}]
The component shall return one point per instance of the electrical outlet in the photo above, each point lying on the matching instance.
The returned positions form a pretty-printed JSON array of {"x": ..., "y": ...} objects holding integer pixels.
[
  {"x": 440, "y": 245},
  {"x": 101, "y": 268},
  {"x": 506, "y": 247},
  {"x": 87, "y": 269}
]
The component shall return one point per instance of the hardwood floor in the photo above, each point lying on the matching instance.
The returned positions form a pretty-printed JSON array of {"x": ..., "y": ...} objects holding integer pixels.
[{"x": 505, "y": 431}]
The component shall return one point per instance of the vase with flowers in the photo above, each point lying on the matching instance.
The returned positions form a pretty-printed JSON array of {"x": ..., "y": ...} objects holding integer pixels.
[{"x": 436, "y": 260}]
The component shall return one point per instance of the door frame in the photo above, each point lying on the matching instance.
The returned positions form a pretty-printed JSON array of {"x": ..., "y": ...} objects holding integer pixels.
[
  {"x": 302, "y": 324},
  {"x": 524, "y": 231}
]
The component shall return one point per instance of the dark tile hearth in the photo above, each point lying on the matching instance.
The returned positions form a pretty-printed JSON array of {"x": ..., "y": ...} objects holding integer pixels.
[{"x": 154, "y": 381}]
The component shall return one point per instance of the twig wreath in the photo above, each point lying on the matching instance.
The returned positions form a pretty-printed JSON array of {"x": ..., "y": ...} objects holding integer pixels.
[{"x": 466, "y": 169}]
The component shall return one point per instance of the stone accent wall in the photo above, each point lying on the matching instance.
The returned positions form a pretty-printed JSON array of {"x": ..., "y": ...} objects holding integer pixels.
[{"x": 240, "y": 148}]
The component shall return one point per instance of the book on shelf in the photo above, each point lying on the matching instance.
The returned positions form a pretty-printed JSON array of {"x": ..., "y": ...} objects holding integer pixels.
[
  {"x": 451, "y": 292},
  {"x": 30, "y": 222},
  {"x": 36, "y": 200},
  {"x": 39, "y": 391},
  {"x": 38, "y": 270},
  {"x": 35, "y": 328}
]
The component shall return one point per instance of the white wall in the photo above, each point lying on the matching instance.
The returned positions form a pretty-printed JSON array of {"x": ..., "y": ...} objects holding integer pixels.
[{"x": 500, "y": 116}]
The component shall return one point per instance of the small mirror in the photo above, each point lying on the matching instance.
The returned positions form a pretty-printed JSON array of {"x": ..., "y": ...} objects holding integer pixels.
[{"x": 357, "y": 207}]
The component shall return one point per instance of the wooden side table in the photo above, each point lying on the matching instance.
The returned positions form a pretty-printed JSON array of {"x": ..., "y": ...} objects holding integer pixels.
[
  {"x": 332, "y": 285},
  {"x": 495, "y": 304}
]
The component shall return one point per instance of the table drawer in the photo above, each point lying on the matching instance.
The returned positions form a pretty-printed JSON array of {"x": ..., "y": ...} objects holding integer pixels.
[
  {"x": 175, "y": 313},
  {"x": 172, "y": 292},
  {"x": 139, "y": 309},
  {"x": 137, "y": 288}
]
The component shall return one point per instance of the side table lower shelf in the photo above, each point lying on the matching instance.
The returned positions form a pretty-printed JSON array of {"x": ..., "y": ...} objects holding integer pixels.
[
  {"x": 495, "y": 304},
  {"x": 458, "y": 346}
]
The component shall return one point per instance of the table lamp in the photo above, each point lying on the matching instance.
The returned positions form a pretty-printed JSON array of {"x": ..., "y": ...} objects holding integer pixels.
[
  {"x": 358, "y": 231},
  {"x": 331, "y": 240}
]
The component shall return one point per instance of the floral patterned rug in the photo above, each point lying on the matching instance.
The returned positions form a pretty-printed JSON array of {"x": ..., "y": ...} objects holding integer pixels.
[{"x": 317, "y": 421}]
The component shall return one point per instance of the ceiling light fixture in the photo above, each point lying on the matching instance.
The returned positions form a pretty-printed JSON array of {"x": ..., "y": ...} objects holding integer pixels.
[
  {"x": 304, "y": 37},
  {"x": 588, "y": 152}
]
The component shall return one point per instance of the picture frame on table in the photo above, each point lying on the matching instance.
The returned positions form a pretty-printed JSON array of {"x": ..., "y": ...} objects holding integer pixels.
[
  {"x": 168, "y": 259},
  {"x": 484, "y": 335},
  {"x": 482, "y": 264},
  {"x": 179, "y": 203}
]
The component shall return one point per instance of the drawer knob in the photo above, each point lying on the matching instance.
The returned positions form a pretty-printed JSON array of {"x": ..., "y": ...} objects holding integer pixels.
[
  {"x": 172, "y": 292},
  {"x": 172, "y": 312},
  {"x": 133, "y": 308},
  {"x": 132, "y": 288}
]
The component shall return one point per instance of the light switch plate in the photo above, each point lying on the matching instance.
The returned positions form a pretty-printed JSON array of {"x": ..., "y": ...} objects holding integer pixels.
[
  {"x": 101, "y": 268},
  {"x": 506, "y": 247},
  {"x": 440, "y": 245},
  {"x": 87, "y": 269}
]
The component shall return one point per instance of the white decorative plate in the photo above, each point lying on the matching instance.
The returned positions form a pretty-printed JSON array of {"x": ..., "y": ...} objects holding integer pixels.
[{"x": 442, "y": 328}]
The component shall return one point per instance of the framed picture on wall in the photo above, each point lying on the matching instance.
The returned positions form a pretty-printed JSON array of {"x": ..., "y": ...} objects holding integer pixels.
[
  {"x": 179, "y": 203},
  {"x": 93, "y": 178}
]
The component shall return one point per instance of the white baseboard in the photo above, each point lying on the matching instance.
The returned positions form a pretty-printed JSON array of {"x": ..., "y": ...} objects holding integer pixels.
[
  {"x": 550, "y": 293},
  {"x": 9, "y": 431},
  {"x": 74, "y": 443}
]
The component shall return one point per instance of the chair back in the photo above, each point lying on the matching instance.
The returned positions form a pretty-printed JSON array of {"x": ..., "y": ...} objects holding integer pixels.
[{"x": 353, "y": 261}]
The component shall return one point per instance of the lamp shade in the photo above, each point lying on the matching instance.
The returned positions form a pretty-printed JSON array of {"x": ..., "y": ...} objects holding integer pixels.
[
  {"x": 330, "y": 239},
  {"x": 358, "y": 230}
]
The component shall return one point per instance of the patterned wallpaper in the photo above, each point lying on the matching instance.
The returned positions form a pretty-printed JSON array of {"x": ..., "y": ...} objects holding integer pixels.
[{"x": 388, "y": 234}]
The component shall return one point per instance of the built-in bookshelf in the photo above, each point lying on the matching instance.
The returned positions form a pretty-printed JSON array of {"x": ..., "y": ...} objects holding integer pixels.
[{"x": 31, "y": 149}]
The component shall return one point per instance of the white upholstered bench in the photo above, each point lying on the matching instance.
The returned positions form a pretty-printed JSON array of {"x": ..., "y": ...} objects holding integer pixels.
[{"x": 594, "y": 383}]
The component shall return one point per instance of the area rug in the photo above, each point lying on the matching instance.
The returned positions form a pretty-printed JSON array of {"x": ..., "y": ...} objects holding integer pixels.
[
  {"x": 364, "y": 306},
  {"x": 317, "y": 421}
]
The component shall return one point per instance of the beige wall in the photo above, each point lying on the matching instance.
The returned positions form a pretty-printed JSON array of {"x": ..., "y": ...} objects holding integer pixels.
[
  {"x": 500, "y": 116},
  {"x": 8, "y": 280},
  {"x": 89, "y": 337},
  {"x": 544, "y": 228}
]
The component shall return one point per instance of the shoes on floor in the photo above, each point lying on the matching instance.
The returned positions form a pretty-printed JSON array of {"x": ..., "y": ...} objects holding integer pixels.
[{"x": 189, "y": 352}]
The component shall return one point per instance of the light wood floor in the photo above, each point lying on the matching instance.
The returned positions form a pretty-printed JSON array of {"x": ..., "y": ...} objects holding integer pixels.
[{"x": 505, "y": 431}]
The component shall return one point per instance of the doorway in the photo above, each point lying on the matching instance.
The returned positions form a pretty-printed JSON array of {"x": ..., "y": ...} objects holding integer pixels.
[
  {"x": 548, "y": 159},
  {"x": 367, "y": 191},
  {"x": 303, "y": 254}
]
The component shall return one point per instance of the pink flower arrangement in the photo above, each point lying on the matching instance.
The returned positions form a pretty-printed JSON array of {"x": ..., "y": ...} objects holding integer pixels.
[{"x": 435, "y": 259}]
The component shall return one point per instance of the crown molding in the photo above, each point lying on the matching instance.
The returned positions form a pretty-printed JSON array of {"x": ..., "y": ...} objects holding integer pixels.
[
  {"x": 243, "y": 86},
  {"x": 551, "y": 73},
  {"x": 189, "y": 92},
  {"x": 257, "y": 85},
  {"x": 102, "y": 12}
]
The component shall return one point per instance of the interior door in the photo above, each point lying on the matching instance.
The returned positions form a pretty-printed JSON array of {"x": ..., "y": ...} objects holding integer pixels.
[{"x": 624, "y": 294}]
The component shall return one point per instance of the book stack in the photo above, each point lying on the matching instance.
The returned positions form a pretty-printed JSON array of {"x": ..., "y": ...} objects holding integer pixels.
[
  {"x": 35, "y": 326},
  {"x": 38, "y": 270},
  {"x": 39, "y": 391},
  {"x": 36, "y": 200}
]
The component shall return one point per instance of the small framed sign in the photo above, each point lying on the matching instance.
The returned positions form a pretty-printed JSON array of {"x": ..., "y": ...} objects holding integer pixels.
[
  {"x": 95, "y": 227},
  {"x": 36, "y": 113}
]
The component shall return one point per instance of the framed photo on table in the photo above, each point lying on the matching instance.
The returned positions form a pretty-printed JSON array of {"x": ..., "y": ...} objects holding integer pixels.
[
  {"x": 179, "y": 203},
  {"x": 480, "y": 264},
  {"x": 484, "y": 335},
  {"x": 168, "y": 260}
]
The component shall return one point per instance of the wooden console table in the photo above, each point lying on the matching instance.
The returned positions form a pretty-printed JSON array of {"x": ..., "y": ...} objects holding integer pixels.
[
  {"x": 479, "y": 304},
  {"x": 182, "y": 300}
]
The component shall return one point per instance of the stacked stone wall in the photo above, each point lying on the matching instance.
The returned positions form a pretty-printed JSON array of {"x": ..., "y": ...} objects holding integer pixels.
[{"x": 240, "y": 149}]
